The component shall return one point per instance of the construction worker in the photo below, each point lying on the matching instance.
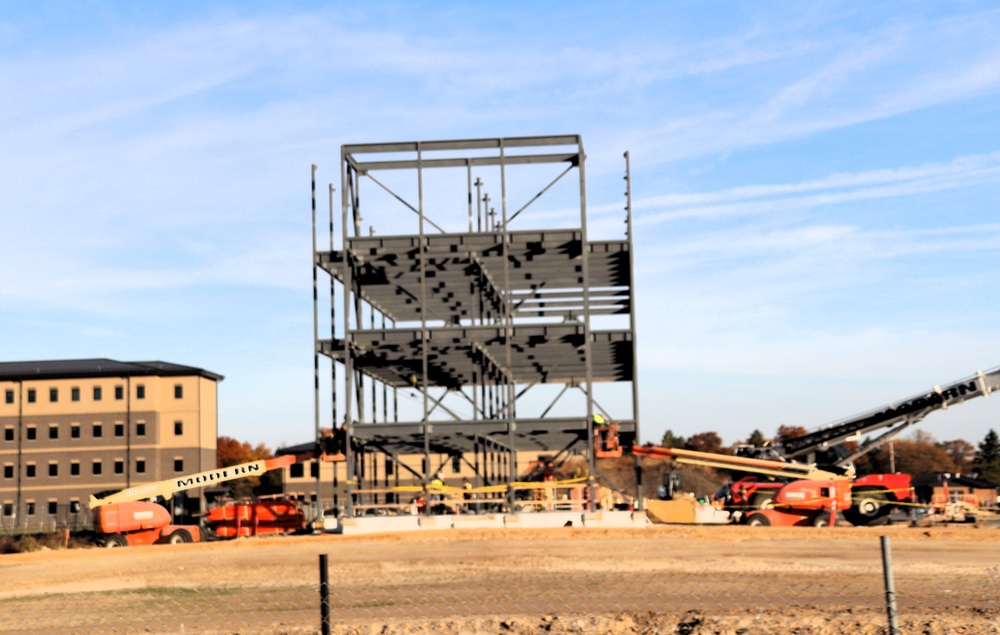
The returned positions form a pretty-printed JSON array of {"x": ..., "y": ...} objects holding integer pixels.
[
  {"x": 435, "y": 497},
  {"x": 599, "y": 420},
  {"x": 467, "y": 495}
]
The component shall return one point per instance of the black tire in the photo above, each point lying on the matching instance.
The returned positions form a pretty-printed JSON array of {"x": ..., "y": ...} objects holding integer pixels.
[
  {"x": 869, "y": 507},
  {"x": 822, "y": 519},
  {"x": 762, "y": 501},
  {"x": 180, "y": 536},
  {"x": 115, "y": 540},
  {"x": 758, "y": 520}
]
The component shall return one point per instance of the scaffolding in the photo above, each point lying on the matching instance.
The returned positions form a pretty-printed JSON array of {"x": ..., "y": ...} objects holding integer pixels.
[{"x": 467, "y": 308}]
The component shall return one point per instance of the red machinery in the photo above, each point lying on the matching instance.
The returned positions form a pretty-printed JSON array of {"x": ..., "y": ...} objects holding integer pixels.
[
  {"x": 125, "y": 518},
  {"x": 811, "y": 496},
  {"x": 278, "y": 516}
]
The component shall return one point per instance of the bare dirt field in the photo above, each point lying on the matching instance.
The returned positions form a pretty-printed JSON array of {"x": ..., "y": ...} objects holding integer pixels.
[{"x": 662, "y": 579}]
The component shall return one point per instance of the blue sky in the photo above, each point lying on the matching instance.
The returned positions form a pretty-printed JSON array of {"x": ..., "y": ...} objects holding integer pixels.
[{"x": 816, "y": 185}]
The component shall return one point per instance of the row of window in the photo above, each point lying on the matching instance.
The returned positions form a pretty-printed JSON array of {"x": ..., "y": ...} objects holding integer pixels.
[
  {"x": 98, "y": 393},
  {"x": 97, "y": 468},
  {"x": 97, "y": 430},
  {"x": 29, "y": 508}
]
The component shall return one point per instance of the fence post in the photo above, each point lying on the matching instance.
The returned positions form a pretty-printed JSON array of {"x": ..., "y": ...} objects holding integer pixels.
[
  {"x": 890, "y": 586},
  {"x": 324, "y": 595}
]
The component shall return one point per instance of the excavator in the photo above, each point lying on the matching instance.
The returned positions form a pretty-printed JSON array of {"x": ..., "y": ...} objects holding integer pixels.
[
  {"x": 130, "y": 518},
  {"x": 819, "y": 457}
]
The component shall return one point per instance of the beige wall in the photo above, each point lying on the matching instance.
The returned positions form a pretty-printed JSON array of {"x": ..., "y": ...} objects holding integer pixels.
[{"x": 137, "y": 431}]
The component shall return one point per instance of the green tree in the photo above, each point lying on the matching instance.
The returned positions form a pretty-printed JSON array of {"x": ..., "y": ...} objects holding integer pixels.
[
  {"x": 756, "y": 439},
  {"x": 671, "y": 440},
  {"x": 988, "y": 460}
]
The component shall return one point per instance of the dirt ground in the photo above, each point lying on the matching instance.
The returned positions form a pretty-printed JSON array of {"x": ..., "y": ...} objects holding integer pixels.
[{"x": 663, "y": 579}]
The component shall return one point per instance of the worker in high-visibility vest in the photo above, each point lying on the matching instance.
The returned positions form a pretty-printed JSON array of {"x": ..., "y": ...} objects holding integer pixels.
[{"x": 599, "y": 420}]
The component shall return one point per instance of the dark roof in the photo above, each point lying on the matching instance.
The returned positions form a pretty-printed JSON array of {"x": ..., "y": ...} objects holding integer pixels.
[
  {"x": 938, "y": 479},
  {"x": 101, "y": 367}
]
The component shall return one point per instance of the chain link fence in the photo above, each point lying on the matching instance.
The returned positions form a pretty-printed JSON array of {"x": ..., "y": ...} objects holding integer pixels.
[{"x": 460, "y": 588}]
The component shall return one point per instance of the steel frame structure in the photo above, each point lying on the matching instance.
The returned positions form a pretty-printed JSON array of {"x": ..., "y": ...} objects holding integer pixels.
[{"x": 479, "y": 317}]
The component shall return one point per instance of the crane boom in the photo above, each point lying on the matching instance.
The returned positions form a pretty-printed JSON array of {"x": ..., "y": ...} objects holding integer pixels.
[
  {"x": 180, "y": 483},
  {"x": 897, "y": 416}
]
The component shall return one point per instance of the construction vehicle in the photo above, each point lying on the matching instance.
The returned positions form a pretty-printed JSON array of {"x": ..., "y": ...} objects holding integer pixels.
[
  {"x": 256, "y": 518},
  {"x": 810, "y": 496},
  {"x": 875, "y": 495},
  {"x": 130, "y": 518}
]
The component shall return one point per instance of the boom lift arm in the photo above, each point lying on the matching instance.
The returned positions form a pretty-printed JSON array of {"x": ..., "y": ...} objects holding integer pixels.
[
  {"x": 180, "y": 483},
  {"x": 896, "y": 416}
]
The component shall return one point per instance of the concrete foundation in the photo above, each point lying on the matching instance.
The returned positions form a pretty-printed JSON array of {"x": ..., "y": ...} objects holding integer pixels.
[{"x": 392, "y": 524}]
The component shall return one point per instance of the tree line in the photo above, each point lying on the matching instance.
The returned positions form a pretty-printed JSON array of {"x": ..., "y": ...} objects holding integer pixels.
[{"x": 918, "y": 454}]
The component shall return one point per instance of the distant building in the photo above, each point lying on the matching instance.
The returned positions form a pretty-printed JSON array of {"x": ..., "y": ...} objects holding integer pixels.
[
  {"x": 942, "y": 488},
  {"x": 71, "y": 428}
]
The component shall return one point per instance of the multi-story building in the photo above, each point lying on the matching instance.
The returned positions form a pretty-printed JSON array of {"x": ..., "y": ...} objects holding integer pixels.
[{"x": 71, "y": 428}]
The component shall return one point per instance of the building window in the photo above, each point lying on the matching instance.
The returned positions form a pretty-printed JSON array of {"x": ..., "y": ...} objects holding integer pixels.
[
  {"x": 54, "y": 432},
  {"x": 74, "y": 507},
  {"x": 119, "y": 393},
  {"x": 8, "y": 434},
  {"x": 8, "y": 509},
  {"x": 178, "y": 391},
  {"x": 32, "y": 433},
  {"x": 178, "y": 465},
  {"x": 119, "y": 429},
  {"x": 314, "y": 469},
  {"x": 74, "y": 468},
  {"x": 140, "y": 466},
  {"x": 97, "y": 393},
  {"x": 74, "y": 431},
  {"x": 31, "y": 508},
  {"x": 53, "y": 508},
  {"x": 140, "y": 392},
  {"x": 178, "y": 428},
  {"x": 140, "y": 429},
  {"x": 97, "y": 469},
  {"x": 29, "y": 470},
  {"x": 390, "y": 466},
  {"x": 456, "y": 464},
  {"x": 53, "y": 469},
  {"x": 31, "y": 395},
  {"x": 295, "y": 470},
  {"x": 9, "y": 396},
  {"x": 74, "y": 393},
  {"x": 8, "y": 471},
  {"x": 53, "y": 395},
  {"x": 119, "y": 466},
  {"x": 98, "y": 431}
]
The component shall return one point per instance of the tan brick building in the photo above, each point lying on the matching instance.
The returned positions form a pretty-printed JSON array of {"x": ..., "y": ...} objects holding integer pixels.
[{"x": 71, "y": 428}]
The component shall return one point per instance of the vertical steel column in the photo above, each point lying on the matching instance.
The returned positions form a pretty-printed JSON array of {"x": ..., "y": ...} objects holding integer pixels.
[
  {"x": 324, "y": 594},
  {"x": 315, "y": 268},
  {"x": 423, "y": 329},
  {"x": 588, "y": 361},
  {"x": 346, "y": 188},
  {"x": 631, "y": 320},
  {"x": 333, "y": 369},
  {"x": 508, "y": 319}
]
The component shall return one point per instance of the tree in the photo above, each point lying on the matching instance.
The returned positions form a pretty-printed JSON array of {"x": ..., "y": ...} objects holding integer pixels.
[
  {"x": 705, "y": 442},
  {"x": 756, "y": 439},
  {"x": 988, "y": 459},
  {"x": 962, "y": 453},
  {"x": 920, "y": 457},
  {"x": 229, "y": 452},
  {"x": 789, "y": 432},
  {"x": 670, "y": 440}
]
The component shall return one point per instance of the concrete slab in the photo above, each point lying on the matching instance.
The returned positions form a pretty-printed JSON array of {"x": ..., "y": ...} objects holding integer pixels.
[
  {"x": 609, "y": 519},
  {"x": 474, "y": 521}
]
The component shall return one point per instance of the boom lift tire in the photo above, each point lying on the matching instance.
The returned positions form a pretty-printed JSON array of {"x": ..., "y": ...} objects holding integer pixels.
[
  {"x": 822, "y": 519},
  {"x": 762, "y": 501},
  {"x": 115, "y": 540},
  {"x": 869, "y": 507},
  {"x": 758, "y": 520},
  {"x": 179, "y": 536}
]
